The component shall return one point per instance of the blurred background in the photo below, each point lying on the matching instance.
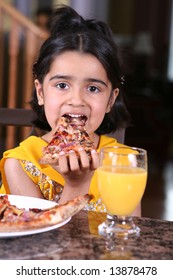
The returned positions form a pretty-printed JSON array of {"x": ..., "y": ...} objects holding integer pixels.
[{"x": 144, "y": 30}]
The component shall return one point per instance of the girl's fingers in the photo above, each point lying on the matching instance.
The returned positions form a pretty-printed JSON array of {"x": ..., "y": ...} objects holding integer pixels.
[
  {"x": 75, "y": 163},
  {"x": 84, "y": 160},
  {"x": 94, "y": 159},
  {"x": 68, "y": 163},
  {"x": 63, "y": 165}
]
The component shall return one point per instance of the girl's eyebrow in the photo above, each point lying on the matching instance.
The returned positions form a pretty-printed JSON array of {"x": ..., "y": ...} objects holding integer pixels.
[
  {"x": 93, "y": 80},
  {"x": 96, "y": 81},
  {"x": 60, "y": 77}
]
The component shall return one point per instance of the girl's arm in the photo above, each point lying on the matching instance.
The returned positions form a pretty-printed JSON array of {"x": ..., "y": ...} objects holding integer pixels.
[
  {"x": 18, "y": 181},
  {"x": 76, "y": 172}
]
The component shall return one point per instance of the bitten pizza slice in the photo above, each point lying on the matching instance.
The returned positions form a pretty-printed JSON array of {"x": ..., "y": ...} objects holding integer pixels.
[
  {"x": 70, "y": 135},
  {"x": 13, "y": 219}
]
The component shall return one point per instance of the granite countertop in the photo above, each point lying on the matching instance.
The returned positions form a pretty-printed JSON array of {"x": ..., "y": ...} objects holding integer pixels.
[{"x": 79, "y": 240}]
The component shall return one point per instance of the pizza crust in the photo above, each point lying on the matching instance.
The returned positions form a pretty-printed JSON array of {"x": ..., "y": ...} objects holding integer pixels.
[
  {"x": 48, "y": 159},
  {"x": 46, "y": 217}
]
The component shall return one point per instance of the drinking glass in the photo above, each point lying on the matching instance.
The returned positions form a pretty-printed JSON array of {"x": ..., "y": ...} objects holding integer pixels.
[{"x": 122, "y": 177}]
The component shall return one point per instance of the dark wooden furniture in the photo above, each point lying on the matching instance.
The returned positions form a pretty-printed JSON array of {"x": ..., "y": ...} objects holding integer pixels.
[
  {"x": 16, "y": 117},
  {"x": 15, "y": 126}
]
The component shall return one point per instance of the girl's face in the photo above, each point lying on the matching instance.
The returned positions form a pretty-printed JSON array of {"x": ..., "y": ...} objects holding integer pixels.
[{"x": 77, "y": 84}]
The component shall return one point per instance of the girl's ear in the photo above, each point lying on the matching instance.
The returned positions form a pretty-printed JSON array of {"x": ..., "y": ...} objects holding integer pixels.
[
  {"x": 39, "y": 92},
  {"x": 112, "y": 99}
]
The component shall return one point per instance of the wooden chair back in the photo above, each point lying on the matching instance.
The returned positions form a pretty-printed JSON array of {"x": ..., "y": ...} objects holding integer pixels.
[
  {"x": 19, "y": 124},
  {"x": 119, "y": 135}
]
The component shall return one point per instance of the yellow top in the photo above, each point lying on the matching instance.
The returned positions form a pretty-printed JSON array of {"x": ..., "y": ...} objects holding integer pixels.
[{"x": 48, "y": 179}]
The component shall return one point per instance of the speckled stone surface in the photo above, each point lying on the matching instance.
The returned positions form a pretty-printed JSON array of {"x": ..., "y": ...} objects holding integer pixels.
[{"x": 79, "y": 240}]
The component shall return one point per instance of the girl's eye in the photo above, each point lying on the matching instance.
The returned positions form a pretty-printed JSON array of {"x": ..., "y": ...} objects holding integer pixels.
[
  {"x": 62, "y": 86},
  {"x": 93, "y": 89}
]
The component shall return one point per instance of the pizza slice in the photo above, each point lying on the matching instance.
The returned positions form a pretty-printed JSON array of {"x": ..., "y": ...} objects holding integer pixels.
[
  {"x": 70, "y": 135},
  {"x": 13, "y": 219}
]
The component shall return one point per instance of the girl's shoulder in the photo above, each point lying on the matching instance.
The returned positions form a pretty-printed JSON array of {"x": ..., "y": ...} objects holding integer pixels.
[
  {"x": 29, "y": 148},
  {"x": 106, "y": 140},
  {"x": 33, "y": 141}
]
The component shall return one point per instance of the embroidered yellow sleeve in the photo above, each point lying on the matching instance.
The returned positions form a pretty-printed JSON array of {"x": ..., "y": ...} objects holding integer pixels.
[{"x": 50, "y": 189}]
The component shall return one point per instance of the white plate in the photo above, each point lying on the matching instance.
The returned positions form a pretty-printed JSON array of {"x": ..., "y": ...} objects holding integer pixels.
[{"x": 31, "y": 202}]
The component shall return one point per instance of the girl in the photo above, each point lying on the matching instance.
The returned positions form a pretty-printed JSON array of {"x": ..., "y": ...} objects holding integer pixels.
[{"x": 77, "y": 73}]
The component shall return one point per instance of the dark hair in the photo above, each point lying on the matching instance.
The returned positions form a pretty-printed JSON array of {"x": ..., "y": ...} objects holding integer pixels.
[{"x": 70, "y": 32}]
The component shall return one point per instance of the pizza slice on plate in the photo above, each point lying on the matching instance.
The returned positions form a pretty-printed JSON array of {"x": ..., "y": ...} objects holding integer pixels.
[
  {"x": 70, "y": 135},
  {"x": 14, "y": 219}
]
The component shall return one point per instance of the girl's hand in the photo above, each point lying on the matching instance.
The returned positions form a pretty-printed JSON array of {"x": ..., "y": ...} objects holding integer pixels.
[
  {"x": 76, "y": 169},
  {"x": 77, "y": 172}
]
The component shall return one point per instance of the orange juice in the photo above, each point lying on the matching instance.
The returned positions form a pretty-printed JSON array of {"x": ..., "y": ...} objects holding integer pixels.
[{"x": 121, "y": 188}]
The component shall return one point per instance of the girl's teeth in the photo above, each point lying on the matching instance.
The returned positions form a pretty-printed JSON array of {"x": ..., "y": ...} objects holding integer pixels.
[{"x": 75, "y": 116}]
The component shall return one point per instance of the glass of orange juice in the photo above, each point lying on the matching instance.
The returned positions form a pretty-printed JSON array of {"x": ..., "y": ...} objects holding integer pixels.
[{"x": 122, "y": 177}]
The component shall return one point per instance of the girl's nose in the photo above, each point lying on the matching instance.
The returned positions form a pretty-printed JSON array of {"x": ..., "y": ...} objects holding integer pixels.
[{"x": 76, "y": 98}]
